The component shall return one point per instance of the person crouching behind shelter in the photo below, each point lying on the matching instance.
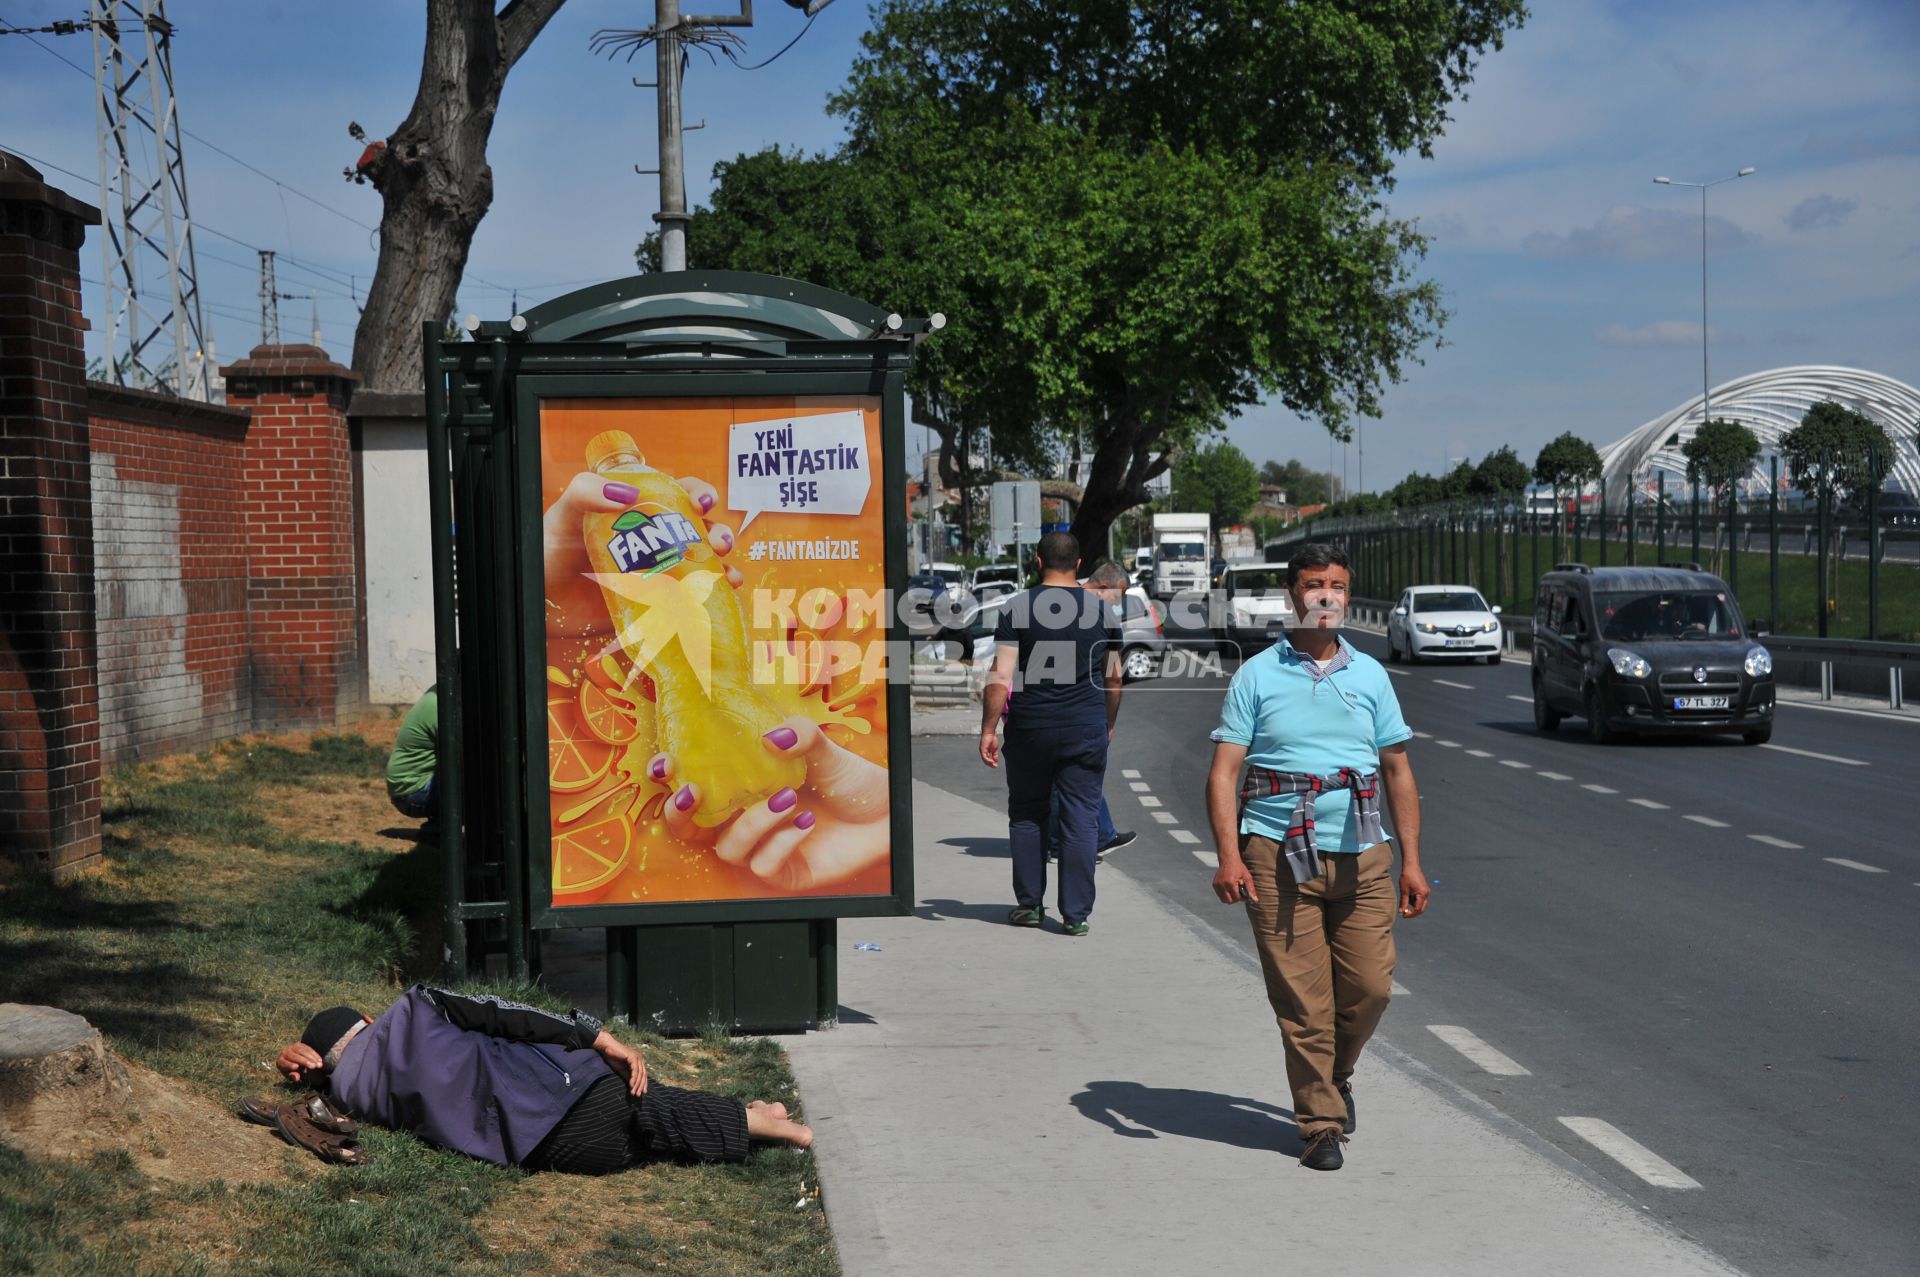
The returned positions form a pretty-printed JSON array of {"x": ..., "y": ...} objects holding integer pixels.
[
  {"x": 1318, "y": 729},
  {"x": 518, "y": 1086},
  {"x": 415, "y": 755},
  {"x": 1062, "y": 644}
]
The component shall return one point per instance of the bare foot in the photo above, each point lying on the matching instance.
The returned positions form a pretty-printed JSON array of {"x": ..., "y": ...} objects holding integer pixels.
[
  {"x": 773, "y": 1108},
  {"x": 770, "y": 1122}
]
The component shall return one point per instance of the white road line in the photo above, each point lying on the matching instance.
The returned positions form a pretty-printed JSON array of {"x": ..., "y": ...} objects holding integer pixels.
[
  {"x": 1401, "y": 991},
  {"x": 1148, "y": 800},
  {"x": 1524, "y": 700},
  {"x": 1131, "y": 774},
  {"x": 1781, "y": 843},
  {"x": 1478, "y": 1051},
  {"x": 1183, "y": 837},
  {"x": 1164, "y": 817},
  {"x": 1139, "y": 786},
  {"x": 1423, "y": 735},
  {"x": 1708, "y": 821},
  {"x": 1630, "y": 1153},
  {"x": 1853, "y": 864},
  {"x": 1206, "y": 857},
  {"x": 1447, "y": 682},
  {"x": 1514, "y": 762},
  {"x": 1448, "y": 744},
  {"x": 1599, "y": 789},
  {"x": 1825, "y": 758},
  {"x": 1892, "y": 716},
  {"x": 1554, "y": 776},
  {"x": 1398, "y": 673},
  {"x": 1649, "y": 804},
  {"x": 1480, "y": 753}
]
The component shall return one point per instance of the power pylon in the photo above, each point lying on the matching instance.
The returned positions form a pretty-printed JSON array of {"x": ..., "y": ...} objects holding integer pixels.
[{"x": 155, "y": 335}]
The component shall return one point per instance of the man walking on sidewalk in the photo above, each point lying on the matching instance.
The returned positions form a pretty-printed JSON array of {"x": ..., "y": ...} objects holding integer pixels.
[
  {"x": 1058, "y": 646},
  {"x": 1110, "y": 584},
  {"x": 1318, "y": 728}
]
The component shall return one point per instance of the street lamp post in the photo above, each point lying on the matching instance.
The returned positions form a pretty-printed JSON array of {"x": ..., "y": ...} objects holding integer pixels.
[{"x": 1706, "y": 385}]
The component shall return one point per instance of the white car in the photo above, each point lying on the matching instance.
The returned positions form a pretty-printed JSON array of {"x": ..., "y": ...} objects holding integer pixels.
[
  {"x": 1450, "y": 622},
  {"x": 1253, "y": 605}
]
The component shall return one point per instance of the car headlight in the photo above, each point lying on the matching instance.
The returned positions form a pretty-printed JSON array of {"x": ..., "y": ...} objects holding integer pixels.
[
  {"x": 1426, "y": 627},
  {"x": 1759, "y": 662},
  {"x": 1490, "y": 625},
  {"x": 1628, "y": 664}
]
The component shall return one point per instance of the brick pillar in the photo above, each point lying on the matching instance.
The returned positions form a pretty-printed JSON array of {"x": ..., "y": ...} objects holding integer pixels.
[
  {"x": 49, "y": 704},
  {"x": 303, "y": 590}
]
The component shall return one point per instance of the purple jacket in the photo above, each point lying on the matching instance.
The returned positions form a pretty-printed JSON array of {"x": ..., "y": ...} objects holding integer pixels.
[{"x": 473, "y": 1073}]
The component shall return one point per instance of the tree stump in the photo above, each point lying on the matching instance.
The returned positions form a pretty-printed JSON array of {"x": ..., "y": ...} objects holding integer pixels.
[{"x": 47, "y": 1053}]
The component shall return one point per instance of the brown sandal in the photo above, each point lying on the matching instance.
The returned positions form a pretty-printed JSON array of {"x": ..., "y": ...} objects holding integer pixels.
[{"x": 296, "y": 1127}]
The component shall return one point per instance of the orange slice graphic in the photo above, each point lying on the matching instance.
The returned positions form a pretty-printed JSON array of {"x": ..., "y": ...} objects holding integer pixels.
[
  {"x": 590, "y": 855},
  {"x": 575, "y": 760},
  {"x": 606, "y": 718}
]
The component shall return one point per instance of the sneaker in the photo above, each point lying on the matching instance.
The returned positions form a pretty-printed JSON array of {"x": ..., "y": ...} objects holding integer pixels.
[
  {"x": 1073, "y": 928},
  {"x": 1120, "y": 839},
  {"x": 1026, "y": 917},
  {"x": 1323, "y": 1150},
  {"x": 1346, "y": 1093}
]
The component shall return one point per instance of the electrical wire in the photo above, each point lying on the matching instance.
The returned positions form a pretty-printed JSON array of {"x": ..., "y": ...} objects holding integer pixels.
[{"x": 776, "y": 57}]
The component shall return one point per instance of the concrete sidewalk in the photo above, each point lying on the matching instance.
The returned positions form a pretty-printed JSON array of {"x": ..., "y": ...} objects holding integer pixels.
[{"x": 1007, "y": 1101}]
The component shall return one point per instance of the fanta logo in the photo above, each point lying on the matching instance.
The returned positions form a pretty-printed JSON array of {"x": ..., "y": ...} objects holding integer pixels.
[{"x": 651, "y": 542}]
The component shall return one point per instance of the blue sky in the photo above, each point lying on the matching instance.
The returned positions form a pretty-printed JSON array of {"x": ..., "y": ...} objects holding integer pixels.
[{"x": 1572, "y": 278}]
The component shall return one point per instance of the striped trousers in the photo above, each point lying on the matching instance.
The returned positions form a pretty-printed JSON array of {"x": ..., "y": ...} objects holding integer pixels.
[{"x": 609, "y": 1130}]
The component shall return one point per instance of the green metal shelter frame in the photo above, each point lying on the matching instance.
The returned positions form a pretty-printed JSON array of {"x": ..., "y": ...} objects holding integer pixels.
[{"x": 685, "y": 334}]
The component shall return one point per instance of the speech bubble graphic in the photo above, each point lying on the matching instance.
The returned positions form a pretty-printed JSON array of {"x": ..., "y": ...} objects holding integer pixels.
[{"x": 799, "y": 465}]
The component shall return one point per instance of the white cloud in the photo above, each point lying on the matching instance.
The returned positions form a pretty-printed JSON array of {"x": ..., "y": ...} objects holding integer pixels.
[
  {"x": 1662, "y": 332},
  {"x": 1634, "y": 234},
  {"x": 1817, "y": 211}
]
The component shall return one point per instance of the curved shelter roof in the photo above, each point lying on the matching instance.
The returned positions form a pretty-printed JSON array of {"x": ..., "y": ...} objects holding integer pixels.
[{"x": 1770, "y": 404}]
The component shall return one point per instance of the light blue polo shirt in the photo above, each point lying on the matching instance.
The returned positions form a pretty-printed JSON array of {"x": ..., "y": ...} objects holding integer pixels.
[{"x": 1292, "y": 722}]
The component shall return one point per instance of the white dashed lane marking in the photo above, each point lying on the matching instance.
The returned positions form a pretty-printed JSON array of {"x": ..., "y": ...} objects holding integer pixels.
[
  {"x": 1131, "y": 774},
  {"x": 1139, "y": 786},
  {"x": 1825, "y": 758},
  {"x": 1164, "y": 817},
  {"x": 1183, "y": 837},
  {"x": 1649, "y": 804},
  {"x": 1447, "y": 682},
  {"x": 1853, "y": 864},
  {"x": 1206, "y": 858},
  {"x": 1401, "y": 990},
  {"x": 1630, "y": 1153},
  {"x": 1477, "y": 1051},
  {"x": 1524, "y": 700},
  {"x": 1398, "y": 673},
  {"x": 1599, "y": 789},
  {"x": 1479, "y": 753},
  {"x": 1148, "y": 800},
  {"x": 1708, "y": 821},
  {"x": 1448, "y": 744},
  {"x": 1781, "y": 843},
  {"x": 1516, "y": 763},
  {"x": 1554, "y": 776}
]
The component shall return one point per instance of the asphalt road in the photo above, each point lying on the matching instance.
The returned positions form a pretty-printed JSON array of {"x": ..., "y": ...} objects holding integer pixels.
[{"x": 1706, "y": 946}]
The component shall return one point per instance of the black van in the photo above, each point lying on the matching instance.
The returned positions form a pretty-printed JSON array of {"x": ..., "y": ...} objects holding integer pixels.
[{"x": 1647, "y": 650}]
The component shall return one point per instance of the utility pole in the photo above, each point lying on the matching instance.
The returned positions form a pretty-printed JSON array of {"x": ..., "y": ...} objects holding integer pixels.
[{"x": 269, "y": 301}]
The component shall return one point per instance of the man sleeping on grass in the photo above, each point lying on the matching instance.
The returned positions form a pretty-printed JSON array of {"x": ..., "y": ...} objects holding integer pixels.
[{"x": 515, "y": 1086}]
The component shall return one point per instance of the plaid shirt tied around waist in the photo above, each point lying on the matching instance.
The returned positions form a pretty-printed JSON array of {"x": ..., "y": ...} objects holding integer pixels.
[{"x": 1302, "y": 851}]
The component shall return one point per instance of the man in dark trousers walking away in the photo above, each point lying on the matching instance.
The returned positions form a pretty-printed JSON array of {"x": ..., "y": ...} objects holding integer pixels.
[
  {"x": 1318, "y": 729},
  {"x": 1058, "y": 646}
]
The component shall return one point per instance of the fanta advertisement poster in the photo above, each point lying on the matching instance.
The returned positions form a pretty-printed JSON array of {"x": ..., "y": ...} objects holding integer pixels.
[{"x": 715, "y": 594}]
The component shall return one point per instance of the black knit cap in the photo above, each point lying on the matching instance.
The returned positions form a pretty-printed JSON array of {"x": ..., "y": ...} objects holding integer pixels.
[{"x": 326, "y": 1028}]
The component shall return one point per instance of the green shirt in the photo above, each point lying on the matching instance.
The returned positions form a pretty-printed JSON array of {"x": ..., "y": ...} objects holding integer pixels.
[{"x": 410, "y": 769}]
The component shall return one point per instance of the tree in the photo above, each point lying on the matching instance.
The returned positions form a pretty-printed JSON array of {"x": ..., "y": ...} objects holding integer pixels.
[
  {"x": 1033, "y": 174},
  {"x": 1457, "y": 483},
  {"x": 1719, "y": 453},
  {"x": 433, "y": 179},
  {"x": 1567, "y": 462},
  {"x": 1304, "y": 486},
  {"x": 1836, "y": 454},
  {"x": 1500, "y": 475},
  {"x": 1218, "y": 480},
  {"x": 1414, "y": 491}
]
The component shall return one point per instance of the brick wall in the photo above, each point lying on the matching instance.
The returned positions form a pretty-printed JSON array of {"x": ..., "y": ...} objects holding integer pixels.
[
  {"x": 49, "y": 726},
  {"x": 170, "y": 572}
]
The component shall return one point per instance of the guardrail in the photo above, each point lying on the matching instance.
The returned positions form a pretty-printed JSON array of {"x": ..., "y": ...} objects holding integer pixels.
[{"x": 1827, "y": 654}]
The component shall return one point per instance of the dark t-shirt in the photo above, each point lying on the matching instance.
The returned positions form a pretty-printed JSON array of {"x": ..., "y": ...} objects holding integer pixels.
[{"x": 1064, "y": 634}]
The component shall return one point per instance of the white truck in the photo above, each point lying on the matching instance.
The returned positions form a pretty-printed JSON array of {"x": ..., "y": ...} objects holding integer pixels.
[{"x": 1182, "y": 553}]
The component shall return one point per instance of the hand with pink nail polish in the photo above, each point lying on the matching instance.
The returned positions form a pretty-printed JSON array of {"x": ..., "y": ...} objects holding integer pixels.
[{"x": 574, "y": 603}]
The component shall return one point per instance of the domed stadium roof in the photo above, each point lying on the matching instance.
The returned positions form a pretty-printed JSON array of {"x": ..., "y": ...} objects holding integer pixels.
[{"x": 1769, "y": 404}]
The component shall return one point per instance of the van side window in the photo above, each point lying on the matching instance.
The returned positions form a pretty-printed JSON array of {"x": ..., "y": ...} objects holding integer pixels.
[
  {"x": 1544, "y": 609},
  {"x": 1570, "y": 622}
]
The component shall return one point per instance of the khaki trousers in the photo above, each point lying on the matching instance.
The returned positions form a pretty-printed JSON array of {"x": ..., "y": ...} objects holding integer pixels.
[{"x": 1326, "y": 949}]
